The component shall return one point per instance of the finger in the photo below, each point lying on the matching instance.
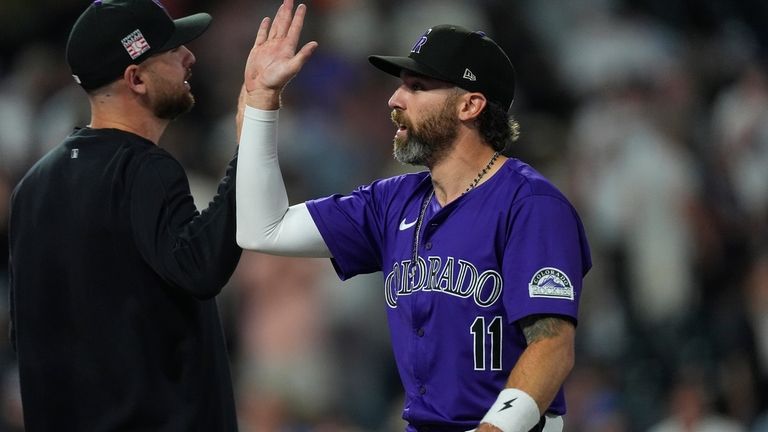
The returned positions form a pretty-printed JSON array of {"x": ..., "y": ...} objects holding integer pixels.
[
  {"x": 297, "y": 62},
  {"x": 261, "y": 35},
  {"x": 282, "y": 19},
  {"x": 297, "y": 24},
  {"x": 306, "y": 51},
  {"x": 273, "y": 29}
]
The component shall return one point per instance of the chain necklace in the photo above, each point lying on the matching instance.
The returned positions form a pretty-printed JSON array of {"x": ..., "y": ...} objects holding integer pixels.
[
  {"x": 425, "y": 204},
  {"x": 419, "y": 221},
  {"x": 482, "y": 173}
]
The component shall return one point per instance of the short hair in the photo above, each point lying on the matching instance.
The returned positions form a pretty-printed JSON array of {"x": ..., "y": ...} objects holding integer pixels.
[{"x": 497, "y": 127}]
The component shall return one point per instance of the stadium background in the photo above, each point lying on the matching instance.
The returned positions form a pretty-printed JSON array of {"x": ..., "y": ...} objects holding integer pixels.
[{"x": 651, "y": 115}]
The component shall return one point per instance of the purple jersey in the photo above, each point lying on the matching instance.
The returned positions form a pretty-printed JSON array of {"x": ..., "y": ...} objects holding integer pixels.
[{"x": 512, "y": 247}]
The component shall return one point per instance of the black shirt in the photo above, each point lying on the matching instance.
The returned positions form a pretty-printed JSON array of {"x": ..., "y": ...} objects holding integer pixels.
[{"x": 113, "y": 273}]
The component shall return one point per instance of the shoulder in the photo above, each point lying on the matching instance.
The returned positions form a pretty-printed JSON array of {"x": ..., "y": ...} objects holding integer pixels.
[
  {"x": 124, "y": 156},
  {"x": 527, "y": 182},
  {"x": 391, "y": 188},
  {"x": 128, "y": 155},
  {"x": 158, "y": 168},
  {"x": 403, "y": 181},
  {"x": 381, "y": 194}
]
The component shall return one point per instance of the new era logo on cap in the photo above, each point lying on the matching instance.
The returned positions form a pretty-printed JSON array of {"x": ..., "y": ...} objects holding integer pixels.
[
  {"x": 469, "y": 75},
  {"x": 135, "y": 44}
]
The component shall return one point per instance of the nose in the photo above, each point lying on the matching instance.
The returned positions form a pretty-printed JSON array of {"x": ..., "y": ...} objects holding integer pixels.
[
  {"x": 396, "y": 100},
  {"x": 189, "y": 58}
]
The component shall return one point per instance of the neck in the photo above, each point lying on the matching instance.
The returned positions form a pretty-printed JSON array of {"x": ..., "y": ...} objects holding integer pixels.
[
  {"x": 462, "y": 170},
  {"x": 127, "y": 115}
]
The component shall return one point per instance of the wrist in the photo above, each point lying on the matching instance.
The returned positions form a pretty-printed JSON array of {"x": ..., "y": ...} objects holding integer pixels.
[
  {"x": 264, "y": 99},
  {"x": 513, "y": 411},
  {"x": 261, "y": 115}
]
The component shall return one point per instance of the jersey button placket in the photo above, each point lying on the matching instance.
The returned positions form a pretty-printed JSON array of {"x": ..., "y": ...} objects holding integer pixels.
[{"x": 428, "y": 233}]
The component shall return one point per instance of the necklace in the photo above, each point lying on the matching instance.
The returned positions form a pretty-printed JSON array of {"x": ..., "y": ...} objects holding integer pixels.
[
  {"x": 482, "y": 173},
  {"x": 423, "y": 212},
  {"x": 419, "y": 221}
]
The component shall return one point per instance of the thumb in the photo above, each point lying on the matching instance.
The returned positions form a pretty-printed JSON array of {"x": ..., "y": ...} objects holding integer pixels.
[{"x": 303, "y": 55}]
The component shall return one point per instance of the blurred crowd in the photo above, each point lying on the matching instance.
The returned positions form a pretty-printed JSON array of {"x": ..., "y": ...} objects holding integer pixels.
[{"x": 650, "y": 115}]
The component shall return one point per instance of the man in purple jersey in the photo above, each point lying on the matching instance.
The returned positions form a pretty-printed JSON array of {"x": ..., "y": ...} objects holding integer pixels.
[{"x": 483, "y": 258}]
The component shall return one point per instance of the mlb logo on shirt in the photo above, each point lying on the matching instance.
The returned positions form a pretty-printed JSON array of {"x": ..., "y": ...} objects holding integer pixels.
[{"x": 135, "y": 44}]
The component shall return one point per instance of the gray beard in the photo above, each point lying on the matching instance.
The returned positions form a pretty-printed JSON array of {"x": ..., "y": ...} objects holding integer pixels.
[
  {"x": 413, "y": 152},
  {"x": 428, "y": 145}
]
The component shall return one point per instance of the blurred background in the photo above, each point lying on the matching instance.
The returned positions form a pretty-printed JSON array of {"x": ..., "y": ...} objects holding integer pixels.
[{"x": 650, "y": 115}]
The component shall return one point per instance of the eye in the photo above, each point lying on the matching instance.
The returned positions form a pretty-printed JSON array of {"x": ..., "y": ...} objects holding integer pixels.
[{"x": 417, "y": 86}]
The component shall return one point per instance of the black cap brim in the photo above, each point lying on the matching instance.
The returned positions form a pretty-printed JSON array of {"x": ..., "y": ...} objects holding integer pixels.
[
  {"x": 394, "y": 65},
  {"x": 188, "y": 29}
]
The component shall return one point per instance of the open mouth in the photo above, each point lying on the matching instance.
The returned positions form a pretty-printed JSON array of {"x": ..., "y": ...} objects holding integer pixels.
[
  {"x": 402, "y": 132},
  {"x": 399, "y": 121}
]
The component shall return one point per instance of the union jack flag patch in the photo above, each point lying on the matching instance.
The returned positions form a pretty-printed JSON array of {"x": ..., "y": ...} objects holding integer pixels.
[{"x": 135, "y": 44}]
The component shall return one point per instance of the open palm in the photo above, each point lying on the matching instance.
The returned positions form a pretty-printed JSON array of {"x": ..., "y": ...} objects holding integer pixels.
[{"x": 273, "y": 60}]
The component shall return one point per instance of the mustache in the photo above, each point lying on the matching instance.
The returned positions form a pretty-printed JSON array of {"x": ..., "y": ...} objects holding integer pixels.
[{"x": 398, "y": 118}]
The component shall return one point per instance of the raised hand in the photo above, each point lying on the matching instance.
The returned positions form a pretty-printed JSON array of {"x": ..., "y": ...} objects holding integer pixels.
[{"x": 273, "y": 60}]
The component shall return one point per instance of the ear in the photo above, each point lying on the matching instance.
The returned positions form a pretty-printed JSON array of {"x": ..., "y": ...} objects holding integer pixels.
[
  {"x": 472, "y": 105},
  {"x": 133, "y": 79}
]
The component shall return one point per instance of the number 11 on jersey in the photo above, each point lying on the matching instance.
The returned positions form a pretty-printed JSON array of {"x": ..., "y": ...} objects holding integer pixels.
[{"x": 481, "y": 334}]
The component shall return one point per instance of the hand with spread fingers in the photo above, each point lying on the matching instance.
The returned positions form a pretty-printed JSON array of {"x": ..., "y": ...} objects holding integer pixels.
[{"x": 274, "y": 60}]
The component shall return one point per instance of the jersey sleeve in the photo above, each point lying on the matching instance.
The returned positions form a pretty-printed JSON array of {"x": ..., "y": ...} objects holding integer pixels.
[
  {"x": 195, "y": 251},
  {"x": 351, "y": 228},
  {"x": 546, "y": 258}
]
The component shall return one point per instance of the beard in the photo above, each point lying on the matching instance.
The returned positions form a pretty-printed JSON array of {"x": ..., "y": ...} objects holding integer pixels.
[
  {"x": 170, "y": 99},
  {"x": 427, "y": 142}
]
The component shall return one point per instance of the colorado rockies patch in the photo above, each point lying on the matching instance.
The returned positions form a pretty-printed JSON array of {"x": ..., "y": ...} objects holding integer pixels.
[{"x": 550, "y": 282}]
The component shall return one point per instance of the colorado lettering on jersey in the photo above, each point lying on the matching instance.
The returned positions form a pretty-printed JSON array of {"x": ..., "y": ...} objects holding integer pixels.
[{"x": 450, "y": 276}]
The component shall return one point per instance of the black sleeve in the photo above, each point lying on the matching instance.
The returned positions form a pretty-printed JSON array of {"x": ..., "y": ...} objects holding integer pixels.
[
  {"x": 12, "y": 308},
  {"x": 196, "y": 252},
  {"x": 11, "y": 284}
]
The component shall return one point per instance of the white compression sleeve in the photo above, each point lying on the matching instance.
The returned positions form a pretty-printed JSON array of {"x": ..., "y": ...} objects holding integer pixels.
[{"x": 265, "y": 222}]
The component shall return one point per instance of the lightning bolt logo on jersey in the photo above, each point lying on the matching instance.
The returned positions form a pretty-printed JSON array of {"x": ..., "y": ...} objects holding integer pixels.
[{"x": 512, "y": 247}]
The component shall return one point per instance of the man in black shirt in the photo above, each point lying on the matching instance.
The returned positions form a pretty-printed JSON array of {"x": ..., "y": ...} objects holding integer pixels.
[{"x": 113, "y": 270}]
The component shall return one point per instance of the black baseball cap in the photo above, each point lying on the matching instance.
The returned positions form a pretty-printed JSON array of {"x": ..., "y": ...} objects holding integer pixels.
[
  {"x": 469, "y": 59},
  {"x": 112, "y": 34}
]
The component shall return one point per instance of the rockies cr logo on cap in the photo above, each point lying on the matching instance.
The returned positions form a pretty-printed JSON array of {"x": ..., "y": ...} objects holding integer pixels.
[{"x": 420, "y": 42}]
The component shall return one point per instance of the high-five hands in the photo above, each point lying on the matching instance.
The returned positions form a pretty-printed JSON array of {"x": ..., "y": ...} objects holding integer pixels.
[{"x": 273, "y": 60}]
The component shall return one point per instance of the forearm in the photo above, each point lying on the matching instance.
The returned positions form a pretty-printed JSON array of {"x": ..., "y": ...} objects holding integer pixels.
[
  {"x": 536, "y": 377},
  {"x": 546, "y": 362},
  {"x": 265, "y": 222},
  {"x": 206, "y": 248},
  {"x": 193, "y": 251}
]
